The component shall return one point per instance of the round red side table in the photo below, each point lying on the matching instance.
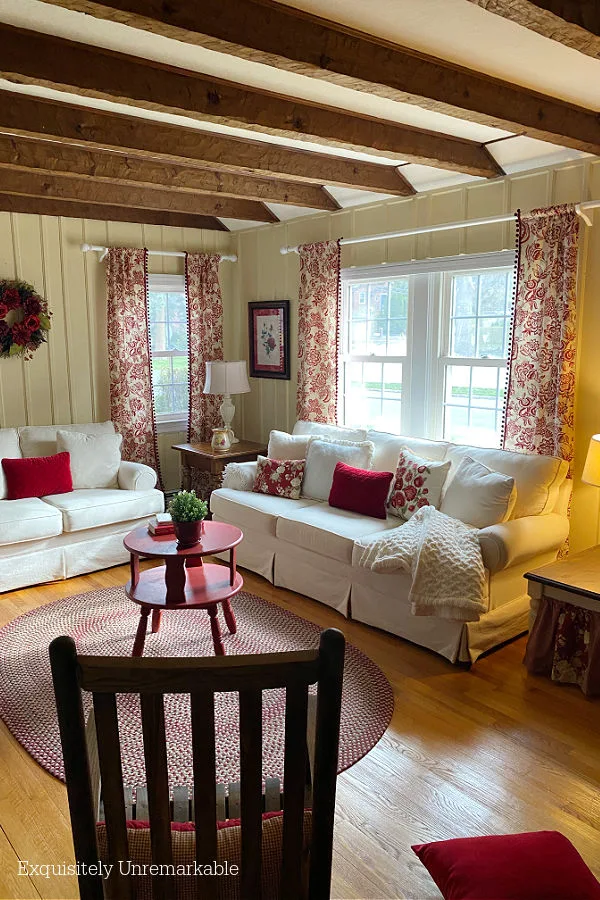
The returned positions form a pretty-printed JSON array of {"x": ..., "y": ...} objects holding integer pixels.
[{"x": 185, "y": 581}]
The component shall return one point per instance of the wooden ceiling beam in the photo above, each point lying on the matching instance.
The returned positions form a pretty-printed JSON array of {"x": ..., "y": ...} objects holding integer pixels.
[
  {"x": 71, "y": 124},
  {"x": 31, "y": 57},
  {"x": 41, "y": 206},
  {"x": 574, "y": 23},
  {"x": 270, "y": 33},
  {"x": 82, "y": 190},
  {"x": 116, "y": 168}
]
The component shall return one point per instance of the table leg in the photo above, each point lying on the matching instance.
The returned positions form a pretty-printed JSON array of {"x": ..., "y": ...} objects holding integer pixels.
[
  {"x": 229, "y": 617},
  {"x": 175, "y": 579},
  {"x": 134, "y": 569},
  {"x": 232, "y": 566},
  {"x": 140, "y": 635},
  {"x": 156, "y": 617},
  {"x": 216, "y": 631}
]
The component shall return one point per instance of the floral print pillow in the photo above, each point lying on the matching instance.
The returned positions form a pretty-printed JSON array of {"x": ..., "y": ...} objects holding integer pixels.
[
  {"x": 418, "y": 483},
  {"x": 280, "y": 477}
]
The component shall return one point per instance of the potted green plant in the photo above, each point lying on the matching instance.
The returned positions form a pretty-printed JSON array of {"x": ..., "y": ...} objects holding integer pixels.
[{"x": 188, "y": 513}]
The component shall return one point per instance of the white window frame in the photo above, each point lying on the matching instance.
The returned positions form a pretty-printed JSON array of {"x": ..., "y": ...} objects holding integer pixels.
[
  {"x": 160, "y": 283},
  {"x": 428, "y": 327}
]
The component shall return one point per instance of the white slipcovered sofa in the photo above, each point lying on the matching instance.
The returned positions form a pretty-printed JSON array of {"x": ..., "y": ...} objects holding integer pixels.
[
  {"x": 309, "y": 547},
  {"x": 61, "y": 535}
]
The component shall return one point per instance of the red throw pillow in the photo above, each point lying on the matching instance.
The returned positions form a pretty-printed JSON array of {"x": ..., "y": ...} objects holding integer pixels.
[
  {"x": 38, "y": 476},
  {"x": 537, "y": 865},
  {"x": 281, "y": 477},
  {"x": 360, "y": 491}
]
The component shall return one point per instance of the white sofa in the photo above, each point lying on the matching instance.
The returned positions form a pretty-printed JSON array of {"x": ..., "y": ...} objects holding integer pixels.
[
  {"x": 61, "y": 535},
  {"x": 309, "y": 547}
]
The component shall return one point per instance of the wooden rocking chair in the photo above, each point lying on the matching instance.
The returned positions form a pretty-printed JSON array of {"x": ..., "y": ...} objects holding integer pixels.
[{"x": 93, "y": 769}]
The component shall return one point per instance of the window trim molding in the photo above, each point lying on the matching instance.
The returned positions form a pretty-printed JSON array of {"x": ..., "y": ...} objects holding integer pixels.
[{"x": 499, "y": 259}]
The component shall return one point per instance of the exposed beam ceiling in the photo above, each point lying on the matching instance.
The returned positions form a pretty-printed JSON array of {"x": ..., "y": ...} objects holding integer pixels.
[
  {"x": 70, "y": 124},
  {"x": 33, "y": 58},
  {"x": 267, "y": 32},
  {"x": 575, "y": 23},
  {"x": 115, "y": 168},
  {"x": 86, "y": 190},
  {"x": 105, "y": 213}
]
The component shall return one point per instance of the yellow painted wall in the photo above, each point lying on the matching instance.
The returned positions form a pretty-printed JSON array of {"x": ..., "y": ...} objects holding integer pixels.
[
  {"x": 263, "y": 274},
  {"x": 67, "y": 379}
]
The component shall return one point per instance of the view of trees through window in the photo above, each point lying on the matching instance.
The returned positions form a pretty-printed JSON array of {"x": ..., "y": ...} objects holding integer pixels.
[{"x": 167, "y": 319}]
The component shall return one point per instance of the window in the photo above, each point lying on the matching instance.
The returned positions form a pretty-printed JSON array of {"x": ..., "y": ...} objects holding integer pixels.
[
  {"x": 168, "y": 323},
  {"x": 425, "y": 347}
]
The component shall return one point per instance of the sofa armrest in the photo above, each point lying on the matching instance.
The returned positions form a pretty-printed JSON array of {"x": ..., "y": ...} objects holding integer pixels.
[
  {"x": 239, "y": 476},
  {"x": 135, "y": 476},
  {"x": 515, "y": 541}
]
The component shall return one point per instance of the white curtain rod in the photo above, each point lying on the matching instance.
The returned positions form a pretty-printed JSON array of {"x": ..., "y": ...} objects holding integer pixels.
[
  {"x": 85, "y": 248},
  {"x": 580, "y": 209}
]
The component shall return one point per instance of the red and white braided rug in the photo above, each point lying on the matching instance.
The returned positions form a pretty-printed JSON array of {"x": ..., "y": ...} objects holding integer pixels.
[{"x": 104, "y": 622}]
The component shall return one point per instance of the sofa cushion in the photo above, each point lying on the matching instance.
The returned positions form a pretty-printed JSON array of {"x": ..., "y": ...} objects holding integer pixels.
[
  {"x": 40, "y": 440},
  {"x": 537, "y": 478},
  {"x": 336, "y": 432},
  {"x": 478, "y": 496},
  {"x": 91, "y": 508},
  {"x": 329, "y": 532},
  {"x": 95, "y": 458},
  {"x": 9, "y": 449},
  {"x": 388, "y": 446},
  {"x": 254, "y": 513},
  {"x": 28, "y": 520}
]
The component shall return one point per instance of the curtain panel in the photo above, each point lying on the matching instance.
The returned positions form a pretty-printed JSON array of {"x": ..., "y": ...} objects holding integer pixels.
[
  {"x": 318, "y": 332},
  {"x": 205, "y": 339},
  {"x": 540, "y": 413},
  {"x": 131, "y": 398}
]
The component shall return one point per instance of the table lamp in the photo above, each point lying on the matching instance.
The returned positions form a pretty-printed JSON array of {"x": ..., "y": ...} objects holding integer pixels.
[
  {"x": 227, "y": 378},
  {"x": 591, "y": 470}
]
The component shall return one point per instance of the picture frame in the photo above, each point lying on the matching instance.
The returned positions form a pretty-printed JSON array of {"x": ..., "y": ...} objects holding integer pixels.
[{"x": 269, "y": 339}]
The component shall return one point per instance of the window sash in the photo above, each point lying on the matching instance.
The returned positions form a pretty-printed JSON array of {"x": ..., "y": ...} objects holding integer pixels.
[{"x": 168, "y": 284}]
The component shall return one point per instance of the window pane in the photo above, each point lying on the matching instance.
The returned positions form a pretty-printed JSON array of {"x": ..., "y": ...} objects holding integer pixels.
[
  {"x": 177, "y": 336},
  {"x": 484, "y": 388},
  {"x": 474, "y": 397},
  {"x": 180, "y": 369},
  {"x": 396, "y": 345},
  {"x": 465, "y": 295},
  {"x": 177, "y": 308},
  {"x": 392, "y": 381},
  {"x": 378, "y": 300},
  {"x": 492, "y": 293},
  {"x": 358, "y": 301},
  {"x": 458, "y": 384},
  {"x": 158, "y": 336},
  {"x": 181, "y": 396},
  {"x": 399, "y": 299},
  {"x": 491, "y": 338},
  {"x": 161, "y": 370},
  {"x": 157, "y": 306},
  {"x": 358, "y": 337},
  {"x": 377, "y": 337},
  {"x": 463, "y": 337},
  {"x": 163, "y": 399}
]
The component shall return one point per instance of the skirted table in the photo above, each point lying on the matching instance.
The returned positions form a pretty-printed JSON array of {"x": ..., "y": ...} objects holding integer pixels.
[{"x": 564, "y": 639}]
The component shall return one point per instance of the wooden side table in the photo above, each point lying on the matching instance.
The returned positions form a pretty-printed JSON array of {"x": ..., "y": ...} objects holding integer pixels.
[{"x": 204, "y": 466}]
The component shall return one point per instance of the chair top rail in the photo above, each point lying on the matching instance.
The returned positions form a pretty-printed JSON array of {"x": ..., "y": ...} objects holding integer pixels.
[{"x": 147, "y": 675}]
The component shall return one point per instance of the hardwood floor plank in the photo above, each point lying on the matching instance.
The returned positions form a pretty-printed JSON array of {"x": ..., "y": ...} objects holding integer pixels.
[
  {"x": 485, "y": 751},
  {"x": 12, "y": 883}
]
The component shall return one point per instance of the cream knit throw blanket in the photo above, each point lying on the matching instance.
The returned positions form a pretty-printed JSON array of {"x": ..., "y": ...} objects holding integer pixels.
[{"x": 444, "y": 558}]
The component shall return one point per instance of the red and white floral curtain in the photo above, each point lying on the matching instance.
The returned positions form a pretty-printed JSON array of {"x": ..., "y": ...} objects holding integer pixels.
[
  {"x": 205, "y": 339},
  {"x": 318, "y": 332},
  {"x": 131, "y": 400},
  {"x": 540, "y": 413}
]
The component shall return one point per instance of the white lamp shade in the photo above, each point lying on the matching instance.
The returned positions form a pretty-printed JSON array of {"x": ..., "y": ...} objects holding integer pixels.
[
  {"x": 226, "y": 378},
  {"x": 591, "y": 470}
]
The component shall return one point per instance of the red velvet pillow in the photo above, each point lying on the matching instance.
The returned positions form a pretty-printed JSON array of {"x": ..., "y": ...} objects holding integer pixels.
[
  {"x": 37, "y": 476},
  {"x": 360, "y": 491},
  {"x": 537, "y": 865}
]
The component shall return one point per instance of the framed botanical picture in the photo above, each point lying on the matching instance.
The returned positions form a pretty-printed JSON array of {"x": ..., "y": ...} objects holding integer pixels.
[{"x": 269, "y": 338}]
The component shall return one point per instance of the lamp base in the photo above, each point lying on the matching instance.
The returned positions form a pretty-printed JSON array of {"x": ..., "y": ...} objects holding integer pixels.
[{"x": 227, "y": 410}]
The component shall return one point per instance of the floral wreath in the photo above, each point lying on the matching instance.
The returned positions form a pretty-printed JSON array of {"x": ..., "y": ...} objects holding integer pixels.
[{"x": 24, "y": 319}]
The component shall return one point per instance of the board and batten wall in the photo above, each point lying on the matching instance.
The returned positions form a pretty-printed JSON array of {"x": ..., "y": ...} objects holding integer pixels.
[
  {"x": 67, "y": 381},
  {"x": 264, "y": 274}
]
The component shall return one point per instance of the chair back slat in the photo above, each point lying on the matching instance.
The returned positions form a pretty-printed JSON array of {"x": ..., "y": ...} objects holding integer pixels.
[
  {"x": 294, "y": 781},
  {"x": 251, "y": 792},
  {"x": 205, "y": 793},
  {"x": 111, "y": 773},
  {"x": 157, "y": 780}
]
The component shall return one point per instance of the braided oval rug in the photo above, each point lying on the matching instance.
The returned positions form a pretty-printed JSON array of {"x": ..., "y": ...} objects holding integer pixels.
[{"x": 104, "y": 622}]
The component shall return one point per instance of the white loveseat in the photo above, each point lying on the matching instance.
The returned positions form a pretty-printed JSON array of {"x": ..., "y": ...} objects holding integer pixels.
[
  {"x": 61, "y": 535},
  {"x": 309, "y": 547}
]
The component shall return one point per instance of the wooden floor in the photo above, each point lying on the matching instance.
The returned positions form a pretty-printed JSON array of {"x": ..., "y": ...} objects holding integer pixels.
[{"x": 484, "y": 751}]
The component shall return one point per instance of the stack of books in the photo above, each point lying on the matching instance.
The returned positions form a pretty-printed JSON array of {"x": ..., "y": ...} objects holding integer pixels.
[{"x": 161, "y": 524}]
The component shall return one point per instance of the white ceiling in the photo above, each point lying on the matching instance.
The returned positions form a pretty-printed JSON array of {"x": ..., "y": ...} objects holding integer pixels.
[{"x": 452, "y": 29}]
